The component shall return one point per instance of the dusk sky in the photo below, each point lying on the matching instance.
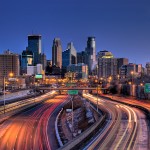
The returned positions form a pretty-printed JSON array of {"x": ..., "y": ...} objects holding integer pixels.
[{"x": 120, "y": 26}]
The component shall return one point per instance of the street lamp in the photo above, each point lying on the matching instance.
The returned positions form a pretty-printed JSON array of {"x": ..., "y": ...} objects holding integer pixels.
[
  {"x": 109, "y": 79},
  {"x": 141, "y": 84},
  {"x": 132, "y": 82},
  {"x": 34, "y": 88},
  {"x": 11, "y": 75},
  {"x": 71, "y": 98},
  {"x": 118, "y": 77},
  {"x": 97, "y": 98},
  {"x": 132, "y": 76},
  {"x": 4, "y": 94}
]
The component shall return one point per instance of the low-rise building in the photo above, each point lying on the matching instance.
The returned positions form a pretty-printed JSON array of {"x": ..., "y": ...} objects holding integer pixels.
[
  {"x": 80, "y": 69},
  {"x": 148, "y": 68},
  {"x": 33, "y": 70}
]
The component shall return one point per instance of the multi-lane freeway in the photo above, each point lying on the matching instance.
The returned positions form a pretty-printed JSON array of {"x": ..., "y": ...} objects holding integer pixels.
[
  {"x": 34, "y": 128},
  {"x": 30, "y": 129},
  {"x": 126, "y": 127}
]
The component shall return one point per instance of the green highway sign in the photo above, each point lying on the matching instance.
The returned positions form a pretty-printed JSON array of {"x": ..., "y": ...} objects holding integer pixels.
[
  {"x": 70, "y": 84},
  {"x": 147, "y": 88},
  {"x": 38, "y": 76},
  {"x": 73, "y": 92}
]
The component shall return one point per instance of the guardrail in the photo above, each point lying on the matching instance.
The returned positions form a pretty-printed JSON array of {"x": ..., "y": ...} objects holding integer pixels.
[{"x": 56, "y": 129}]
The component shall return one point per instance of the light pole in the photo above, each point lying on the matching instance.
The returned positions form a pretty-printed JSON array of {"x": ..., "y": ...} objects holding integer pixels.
[
  {"x": 10, "y": 74},
  {"x": 118, "y": 78},
  {"x": 4, "y": 94},
  {"x": 72, "y": 115},
  {"x": 34, "y": 88},
  {"x": 132, "y": 76},
  {"x": 132, "y": 82},
  {"x": 97, "y": 98}
]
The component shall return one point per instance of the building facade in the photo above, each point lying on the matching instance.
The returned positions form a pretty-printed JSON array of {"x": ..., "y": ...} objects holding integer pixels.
[
  {"x": 81, "y": 57},
  {"x": 123, "y": 71},
  {"x": 148, "y": 68},
  {"x": 9, "y": 63},
  {"x": 107, "y": 67},
  {"x": 34, "y": 45},
  {"x": 130, "y": 70},
  {"x": 43, "y": 61},
  {"x": 121, "y": 62},
  {"x": 80, "y": 69},
  {"x": 139, "y": 69},
  {"x": 33, "y": 70},
  {"x": 26, "y": 60},
  {"x": 105, "y": 54},
  {"x": 57, "y": 53},
  {"x": 91, "y": 54},
  {"x": 110, "y": 66},
  {"x": 69, "y": 55}
]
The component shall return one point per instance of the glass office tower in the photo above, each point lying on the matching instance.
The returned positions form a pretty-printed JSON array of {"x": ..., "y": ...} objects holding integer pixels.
[{"x": 34, "y": 45}]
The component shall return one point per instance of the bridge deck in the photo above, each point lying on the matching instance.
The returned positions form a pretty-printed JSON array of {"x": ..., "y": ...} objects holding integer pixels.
[{"x": 71, "y": 88}]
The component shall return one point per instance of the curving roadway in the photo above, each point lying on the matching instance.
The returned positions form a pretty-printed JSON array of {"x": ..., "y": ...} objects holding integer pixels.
[
  {"x": 126, "y": 127},
  {"x": 30, "y": 129}
]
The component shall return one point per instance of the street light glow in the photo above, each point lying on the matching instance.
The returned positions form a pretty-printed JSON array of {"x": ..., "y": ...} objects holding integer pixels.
[
  {"x": 11, "y": 74},
  {"x": 132, "y": 72}
]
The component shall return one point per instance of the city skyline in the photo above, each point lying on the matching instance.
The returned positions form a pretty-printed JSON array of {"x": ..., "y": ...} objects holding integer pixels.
[{"x": 119, "y": 27}]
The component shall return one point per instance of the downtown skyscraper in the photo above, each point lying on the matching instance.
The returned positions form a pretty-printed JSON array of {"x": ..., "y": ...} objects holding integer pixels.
[
  {"x": 34, "y": 45},
  {"x": 57, "y": 53},
  {"x": 91, "y": 54},
  {"x": 69, "y": 55}
]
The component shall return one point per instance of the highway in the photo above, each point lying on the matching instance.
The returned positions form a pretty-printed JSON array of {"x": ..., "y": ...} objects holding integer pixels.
[
  {"x": 143, "y": 103},
  {"x": 21, "y": 103},
  {"x": 30, "y": 128},
  {"x": 126, "y": 128},
  {"x": 14, "y": 95}
]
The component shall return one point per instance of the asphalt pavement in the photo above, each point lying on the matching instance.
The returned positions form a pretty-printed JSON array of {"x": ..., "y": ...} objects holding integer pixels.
[{"x": 29, "y": 129}]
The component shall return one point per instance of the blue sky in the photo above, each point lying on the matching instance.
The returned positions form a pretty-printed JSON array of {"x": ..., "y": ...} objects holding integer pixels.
[{"x": 120, "y": 26}]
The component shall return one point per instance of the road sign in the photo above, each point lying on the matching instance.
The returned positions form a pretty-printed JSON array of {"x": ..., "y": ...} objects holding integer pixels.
[
  {"x": 73, "y": 92},
  {"x": 12, "y": 79},
  {"x": 147, "y": 88},
  {"x": 70, "y": 84},
  {"x": 38, "y": 76}
]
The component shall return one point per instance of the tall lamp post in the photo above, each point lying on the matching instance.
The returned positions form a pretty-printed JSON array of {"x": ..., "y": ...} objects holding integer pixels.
[
  {"x": 34, "y": 88},
  {"x": 118, "y": 78},
  {"x": 97, "y": 98},
  {"x": 72, "y": 117},
  {"x": 4, "y": 94},
  {"x": 132, "y": 82},
  {"x": 11, "y": 75},
  {"x": 132, "y": 76}
]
